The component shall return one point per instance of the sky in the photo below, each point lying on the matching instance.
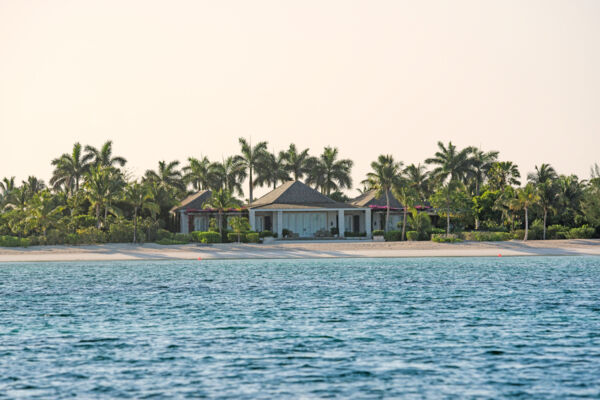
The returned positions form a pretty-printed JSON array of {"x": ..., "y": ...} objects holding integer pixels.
[{"x": 167, "y": 80}]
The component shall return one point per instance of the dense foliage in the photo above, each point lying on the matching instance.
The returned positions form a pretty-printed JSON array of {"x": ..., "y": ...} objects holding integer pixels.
[{"x": 90, "y": 197}]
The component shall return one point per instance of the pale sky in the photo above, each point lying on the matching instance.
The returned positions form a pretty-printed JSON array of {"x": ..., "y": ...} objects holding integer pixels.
[{"x": 171, "y": 79}]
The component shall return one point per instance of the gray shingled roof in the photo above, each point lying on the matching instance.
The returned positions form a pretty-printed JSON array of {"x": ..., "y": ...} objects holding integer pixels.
[
  {"x": 295, "y": 194},
  {"x": 194, "y": 201},
  {"x": 369, "y": 199}
]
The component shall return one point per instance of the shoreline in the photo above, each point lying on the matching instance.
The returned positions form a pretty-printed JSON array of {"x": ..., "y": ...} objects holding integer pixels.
[{"x": 299, "y": 250}]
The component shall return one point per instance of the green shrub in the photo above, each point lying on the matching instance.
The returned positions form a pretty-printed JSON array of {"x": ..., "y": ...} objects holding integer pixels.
[
  {"x": 442, "y": 238},
  {"x": 163, "y": 234},
  {"x": 412, "y": 235},
  {"x": 233, "y": 237},
  {"x": 13, "y": 241},
  {"x": 334, "y": 231},
  {"x": 121, "y": 232},
  {"x": 556, "y": 232},
  {"x": 91, "y": 235},
  {"x": 264, "y": 234},
  {"x": 583, "y": 232},
  {"x": 206, "y": 237},
  {"x": 486, "y": 236},
  {"x": 167, "y": 242},
  {"x": 286, "y": 232},
  {"x": 54, "y": 236},
  {"x": 182, "y": 237},
  {"x": 252, "y": 237},
  {"x": 393, "y": 236},
  {"x": 378, "y": 232}
]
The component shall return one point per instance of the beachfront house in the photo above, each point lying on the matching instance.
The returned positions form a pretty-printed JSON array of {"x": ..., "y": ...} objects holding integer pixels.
[
  {"x": 303, "y": 212},
  {"x": 378, "y": 207},
  {"x": 191, "y": 214}
]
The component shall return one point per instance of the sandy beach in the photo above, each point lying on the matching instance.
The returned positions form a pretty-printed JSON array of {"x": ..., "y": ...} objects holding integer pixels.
[{"x": 285, "y": 250}]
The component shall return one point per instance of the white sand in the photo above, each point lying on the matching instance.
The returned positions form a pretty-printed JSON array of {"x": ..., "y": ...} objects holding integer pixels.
[{"x": 305, "y": 249}]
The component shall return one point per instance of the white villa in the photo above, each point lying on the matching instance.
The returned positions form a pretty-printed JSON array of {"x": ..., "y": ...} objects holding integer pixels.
[{"x": 305, "y": 212}]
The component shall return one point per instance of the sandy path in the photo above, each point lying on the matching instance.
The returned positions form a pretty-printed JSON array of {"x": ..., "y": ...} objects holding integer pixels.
[{"x": 328, "y": 249}]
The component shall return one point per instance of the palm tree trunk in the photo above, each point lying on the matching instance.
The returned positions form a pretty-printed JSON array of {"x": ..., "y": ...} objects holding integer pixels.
[
  {"x": 447, "y": 216},
  {"x": 387, "y": 211},
  {"x": 404, "y": 225},
  {"x": 545, "y": 216},
  {"x": 98, "y": 215},
  {"x": 526, "y": 225},
  {"x": 250, "y": 184},
  {"x": 220, "y": 224},
  {"x": 134, "y": 224}
]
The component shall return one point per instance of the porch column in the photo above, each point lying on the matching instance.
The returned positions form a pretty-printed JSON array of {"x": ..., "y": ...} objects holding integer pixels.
[
  {"x": 280, "y": 224},
  {"x": 252, "y": 218},
  {"x": 368, "y": 222},
  {"x": 341, "y": 223},
  {"x": 184, "y": 222}
]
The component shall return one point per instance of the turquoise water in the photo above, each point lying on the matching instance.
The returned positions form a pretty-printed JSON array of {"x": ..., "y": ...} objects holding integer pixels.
[{"x": 365, "y": 328}]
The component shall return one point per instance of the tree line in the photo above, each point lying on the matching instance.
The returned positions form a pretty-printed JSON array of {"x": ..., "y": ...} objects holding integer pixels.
[{"x": 90, "y": 191}]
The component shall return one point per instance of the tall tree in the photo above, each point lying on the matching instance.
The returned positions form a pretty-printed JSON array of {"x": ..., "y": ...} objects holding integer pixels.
[
  {"x": 543, "y": 179},
  {"x": 418, "y": 178},
  {"x": 450, "y": 199},
  {"x": 407, "y": 195},
  {"x": 140, "y": 198},
  {"x": 296, "y": 163},
  {"x": 502, "y": 174},
  {"x": 251, "y": 158},
  {"x": 103, "y": 156},
  {"x": 228, "y": 175},
  {"x": 526, "y": 198},
  {"x": 330, "y": 174},
  {"x": 97, "y": 186},
  {"x": 69, "y": 169},
  {"x": 384, "y": 175},
  {"x": 481, "y": 163},
  {"x": 42, "y": 211},
  {"x": 7, "y": 187},
  {"x": 198, "y": 173},
  {"x": 272, "y": 171},
  {"x": 451, "y": 163}
]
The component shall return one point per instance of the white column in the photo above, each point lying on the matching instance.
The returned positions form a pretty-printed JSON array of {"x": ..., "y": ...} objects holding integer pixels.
[
  {"x": 280, "y": 224},
  {"x": 341, "y": 223},
  {"x": 252, "y": 218},
  {"x": 368, "y": 222},
  {"x": 184, "y": 222}
]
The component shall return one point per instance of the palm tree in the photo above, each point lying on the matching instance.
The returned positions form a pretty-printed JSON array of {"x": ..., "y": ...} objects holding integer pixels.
[
  {"x": 407, "y": 196},
  {"x": 42, "y": 211},
  {"x": 418, "y": 178},
  {"x": 228, "y": 175},
  {"x": 221, "y": 201},
  {"x": 271, "y": 171},
  {"x": 296, "y": 163},
  {"x": 330, "y": 174},
  {"x": 543, "y": 178},
  {"x": 97, "y": 184},
  {"x": 385, "y": 174},
  {"x": 140, "y": 198},
  {"x": 481, "y": 163},
  {"x": 419, "y": 222},
  {"x": 33, "y": 186},
  {"x": 69, "y": 169},
  {"x": 167, "y": 176},
  {"x": 450, "y": 198},
  {"x": 502, "y": 174},
  {"x": 251, "y": 158},
  {"x": 7, "y": 187},
  {"x": 526, "y": 198},
  {"x": 198, "y": 173},
  {"x": 570, "y": 194},
  {"x": 103, "y": 156},
  {"x": 451, "y": 163}
]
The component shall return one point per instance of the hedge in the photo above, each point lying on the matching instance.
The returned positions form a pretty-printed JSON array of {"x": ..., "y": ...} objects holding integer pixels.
[
  {"x": 583, "y": 232},
  {"x": 266, "y": 234},
  {"x": 393, "y": 236},
  {"x": 443, "y": 238},
  {"x": 206, "y": 237},
  {"x": 233, "y": 237},
  {"x": 378, "y": 232},
  {"x": 487, "y": 236},
  {"x": 252, "y": 237},
  {"x": 13, "y": 241}
]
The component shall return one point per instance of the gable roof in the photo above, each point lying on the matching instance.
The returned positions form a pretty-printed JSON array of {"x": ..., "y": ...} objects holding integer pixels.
[
  {"x": 194, "y": 201},
  {"x": 295, "y": 194},
  {"x": 369, "y": 199}
]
